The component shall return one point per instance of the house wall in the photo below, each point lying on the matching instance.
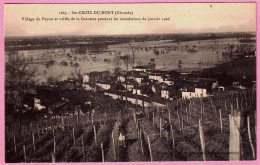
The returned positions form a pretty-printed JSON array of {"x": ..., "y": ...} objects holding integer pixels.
[
  {"x": 156, "y": 77},
  {"x": 187, "y": 95},
  {"x": 200, "y": 92},
  {"x": 140, "y": 70},
  {"x": 165, "y": 94},
  {"x": 138, "y": 91},
  {"x": 138, "y": 80},
  {"x": 85, "y": 78}
]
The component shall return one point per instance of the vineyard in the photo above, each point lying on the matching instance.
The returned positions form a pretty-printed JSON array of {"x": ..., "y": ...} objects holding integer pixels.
[{"x": 182, "y": 130}]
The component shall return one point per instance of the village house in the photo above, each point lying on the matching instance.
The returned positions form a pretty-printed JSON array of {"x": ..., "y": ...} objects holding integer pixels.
[
  {"x": 140, "y": 68},
  {"x": 130, "y": 84},
  {"x": 169, "y": 92},
  {"x": 137, "y": 91},
  {"x": 95, "y": 76},
  {"x": 196, "y": 92},
  {"x": 155, "y": 76}
]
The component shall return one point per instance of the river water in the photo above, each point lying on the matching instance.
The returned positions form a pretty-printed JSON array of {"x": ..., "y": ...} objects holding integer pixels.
[{"x": 171, "y": 55}]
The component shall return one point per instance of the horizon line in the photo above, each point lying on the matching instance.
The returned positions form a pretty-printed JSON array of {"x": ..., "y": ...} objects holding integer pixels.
[{"x": 99, "y": 35}]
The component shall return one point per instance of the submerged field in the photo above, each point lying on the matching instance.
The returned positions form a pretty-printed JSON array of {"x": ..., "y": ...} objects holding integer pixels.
[{"x": 171, "y": 55}]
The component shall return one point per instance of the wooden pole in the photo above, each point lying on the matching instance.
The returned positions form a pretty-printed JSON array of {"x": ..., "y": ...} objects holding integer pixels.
[
  {"x": 170, "y": 122},
  {"x": 54, "y": 145},
  {"x": 62, "y": 123},
  {"x": 201, "y": 113},
  {"x": 141, "y": 141},
  {"x": 53, "y": 158},
  {"x": 78, "y": 118},
  {"x": 46, "y": 125},
  {"x": 38, "y": 131},
  {"x": 24, "y": 153},
  {"x": 150, "y": 149},
  {"x": 23, "y": 135},
  {"x": 114, "y": 147},
  {"x": 83, "y": 147},
  {"x": 237, "y": 103},
  {"x": 234, "y": 136},
  {"x": 187, "y": 115},
  {"x": 73, "y": 134},
  {"x": 95, "y": 134},
  {"x": 160, "y": 127},
  {"x": 173, "y": 145},
  {"x": 221, "y": 122},
  {"x": 182, "y": 126},
  {"x": 153, "y": 118},
  {"x": 249, "y": 137},
  {"x": 102, "y": 151},
  {"x": 15, "y": 148},
  {"x": 33, "y": 143},
  {"x": 202, "y": 140},
  {"x": 226, "y": 105}
]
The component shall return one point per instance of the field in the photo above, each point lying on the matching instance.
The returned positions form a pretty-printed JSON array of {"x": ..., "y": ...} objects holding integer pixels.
[{"x": 170, "y": 133}]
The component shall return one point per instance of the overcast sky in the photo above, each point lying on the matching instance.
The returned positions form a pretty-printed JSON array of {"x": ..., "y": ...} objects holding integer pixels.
[{"x": 184, "y": 17}]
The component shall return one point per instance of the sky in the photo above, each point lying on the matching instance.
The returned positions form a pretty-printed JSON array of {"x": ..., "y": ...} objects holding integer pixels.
[{"x": 184, "y": 18}]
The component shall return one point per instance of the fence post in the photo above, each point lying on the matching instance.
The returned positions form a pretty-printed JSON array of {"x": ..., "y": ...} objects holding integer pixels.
[
  {"x": 153, "y": 118},
  {"x": 73, "y": 134},
  {"x": 160, "y": 127},
  {"x": 114, "y": 147},
  {"x": 23, "y": 135},
  {"x": 83, "y": 148},
  {"x": 202, "y": 140},
  {"x": 249, "y": 136},
  {"x": 141, "y": 141},
  {"x": 33, "y": 143},
  {"x": 102, "y": 151},
  {"x": 173, "y": 145},
  {"x": 221, "y": 122},
  {"x": 15, "y": 149},
  {"x": 236, "y": 123},
  {"x": 62, "y": 122},
  {"x": 38, "y": 131},
  {"x": 150, "y": 149},
  {"x": 95, "y": 134},
  {"x": 24, "y": 153},
  {"x": 53, "y": 158}
]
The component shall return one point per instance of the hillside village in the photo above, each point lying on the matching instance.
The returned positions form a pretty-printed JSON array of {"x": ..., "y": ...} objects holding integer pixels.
[{"x": 141, "y": 86}]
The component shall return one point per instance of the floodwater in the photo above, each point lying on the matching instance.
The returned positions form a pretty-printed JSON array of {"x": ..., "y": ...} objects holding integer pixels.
[{"x": 172, "y": 56}]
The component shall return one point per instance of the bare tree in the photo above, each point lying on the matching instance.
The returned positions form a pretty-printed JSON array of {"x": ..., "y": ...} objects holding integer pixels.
[
  {"x": 117, "y": 64},
  {"x": 77, "y": 74},
  {"x": 127, "y": 61},
  {"x": 19, "y": 80}
]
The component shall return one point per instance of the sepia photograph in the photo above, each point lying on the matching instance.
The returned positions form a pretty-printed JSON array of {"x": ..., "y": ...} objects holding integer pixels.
[{"x": 130, "y": 82}]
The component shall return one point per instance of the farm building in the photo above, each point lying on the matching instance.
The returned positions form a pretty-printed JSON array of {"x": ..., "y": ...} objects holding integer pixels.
[
  {"x": 197, "y": 92},
  {"x": 140, "y": 68}
]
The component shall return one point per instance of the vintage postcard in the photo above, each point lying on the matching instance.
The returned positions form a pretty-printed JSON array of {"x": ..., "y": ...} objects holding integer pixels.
[{"x": 129, "y": 82}]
